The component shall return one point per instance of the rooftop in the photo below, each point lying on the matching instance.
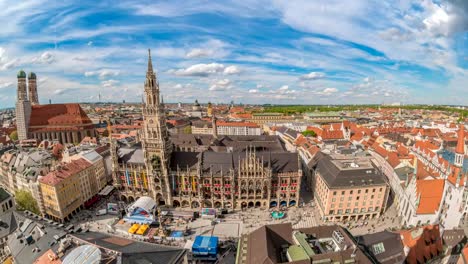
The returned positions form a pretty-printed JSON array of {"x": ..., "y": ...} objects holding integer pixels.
[
  {"x": 346, "y": 171},
  {"x": 58, "y": 115},
  {"x": 4, "y": 195},
  {"x": 280, "y": 244},
  {"x": 65, "y": 171},
  {"x": 430, "y": 194},
  {"x": 133, "y": 251}
]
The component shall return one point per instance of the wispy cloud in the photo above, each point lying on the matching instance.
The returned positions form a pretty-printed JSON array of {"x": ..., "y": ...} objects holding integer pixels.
[{"x": 291, "y": 52}]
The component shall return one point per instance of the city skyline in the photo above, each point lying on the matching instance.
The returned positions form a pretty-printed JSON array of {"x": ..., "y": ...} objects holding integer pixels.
[{"x": 250, "y": 52}]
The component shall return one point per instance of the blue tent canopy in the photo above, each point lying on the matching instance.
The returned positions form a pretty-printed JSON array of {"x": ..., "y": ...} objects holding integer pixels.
[{"x": 205, "y": 246}]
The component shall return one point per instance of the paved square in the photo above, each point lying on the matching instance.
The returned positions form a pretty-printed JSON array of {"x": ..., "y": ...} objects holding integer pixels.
[{"x": 225, "y": 230}]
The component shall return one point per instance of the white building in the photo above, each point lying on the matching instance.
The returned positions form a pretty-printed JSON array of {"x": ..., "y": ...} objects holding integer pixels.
[
  {"x": 238, "y": 128},
  {"x": 436, "y": 191}
]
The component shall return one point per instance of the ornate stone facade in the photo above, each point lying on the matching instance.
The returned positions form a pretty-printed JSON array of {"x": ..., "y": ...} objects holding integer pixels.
[{"x": 204, "y": 170}]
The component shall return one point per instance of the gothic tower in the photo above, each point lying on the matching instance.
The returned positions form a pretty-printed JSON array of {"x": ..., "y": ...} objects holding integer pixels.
[
  {"x": 156, "y": 143},
  {"x": 23, "y": 107},
  {"x": 460, "y": 150},
  {"x": 215, "y": 127},
  {"x": 32, "y": 86}
]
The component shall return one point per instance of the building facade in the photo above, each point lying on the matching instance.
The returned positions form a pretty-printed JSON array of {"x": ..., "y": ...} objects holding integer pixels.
[
  {"x": 67, "y": 123},
  {"x": 349, "y": 188},
  {"x": 65, "y": 190},
  {"x": 202, "y": 170}
]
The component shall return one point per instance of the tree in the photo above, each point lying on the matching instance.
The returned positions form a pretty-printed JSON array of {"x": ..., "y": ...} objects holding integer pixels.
[
  {"x": 309, "y": 133},
  {"x": 187, "y": 130},
  {"x": 14, "y": 135},
  {"x": 25, "y": 201}
]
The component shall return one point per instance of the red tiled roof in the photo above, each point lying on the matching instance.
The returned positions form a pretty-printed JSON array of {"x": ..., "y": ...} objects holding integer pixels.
[
  {"x": 300, "y": 140},
  {"x": 333, "y": 126},
  {"x": 317, "y": 130},
  {"x": 57, "y": 150},
  {"x": 402, "y": 150},
  {"x": 457, "y": 176},
  {"x": 430, "y": 193},
  {"x": 332, "y": 134},
  {"x": 58, "y": 115},
  {"x": 423, "y": 244},
  {"x": 241, "y": 115},
  {"x": 380, "y": 150},
  {"x": 66, "y": 171},
  {"x": 237, "y": 109},
  {"x": 49, "y": 257},
  {"x": 426, "y": 144},
  {"x": 423, "y": 171},
  {"x": 393, "y": 159},
  {"x": 357, "y": 137}
]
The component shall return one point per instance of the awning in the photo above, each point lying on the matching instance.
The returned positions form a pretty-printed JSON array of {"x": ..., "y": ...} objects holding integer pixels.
[
  {"x": 107, "y": 190},
  {"x": 91, "y": 201}
]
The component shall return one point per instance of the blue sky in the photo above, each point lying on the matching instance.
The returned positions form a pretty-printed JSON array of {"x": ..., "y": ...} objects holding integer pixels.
[{"x": 305, "y": 52}]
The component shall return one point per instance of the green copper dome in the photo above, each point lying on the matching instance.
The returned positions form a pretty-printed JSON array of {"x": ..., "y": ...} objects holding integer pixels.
[
  {"x": 32, "y": 75},
  {"x": 21, "y": 74}
]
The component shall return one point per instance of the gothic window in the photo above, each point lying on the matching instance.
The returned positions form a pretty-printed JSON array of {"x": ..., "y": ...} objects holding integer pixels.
[{"x": 155, "y": 161}]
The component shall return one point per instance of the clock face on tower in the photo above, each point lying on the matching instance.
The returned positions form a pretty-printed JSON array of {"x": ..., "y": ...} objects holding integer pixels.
[{"x": 151, "y": 121}]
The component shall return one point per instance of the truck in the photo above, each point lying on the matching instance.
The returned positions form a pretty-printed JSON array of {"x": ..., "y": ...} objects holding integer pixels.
[{"x": 101, "y": 212}]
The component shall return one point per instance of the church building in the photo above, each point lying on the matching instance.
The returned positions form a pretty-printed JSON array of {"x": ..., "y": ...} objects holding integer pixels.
[{"x": 67, "y": 123}]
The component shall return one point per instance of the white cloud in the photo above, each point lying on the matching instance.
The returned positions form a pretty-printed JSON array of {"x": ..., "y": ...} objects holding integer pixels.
[
  {"x": 109, "y": 83},
  {"x": 10, "y": 64},
  {"x": 253, "y": 91},
  {"x": 313, "y": 76},
  {"x": 103, "y": 73},
  {"x": 201, "y": 70},
  {"x": 5, "y": 62},
  {"x": 45, "y": 58},
  {"x": 231, "y": 70},
  {"x": 6, "y": 85},
  {"x": 329, "y": 90},
  {"x": 284, "y": 88},
  {"x": 221, "y": 85},
  {"x": 198, "y": 53}
]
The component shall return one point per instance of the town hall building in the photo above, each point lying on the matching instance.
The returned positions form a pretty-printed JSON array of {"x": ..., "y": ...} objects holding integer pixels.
[{"x": 196, "y": 171}]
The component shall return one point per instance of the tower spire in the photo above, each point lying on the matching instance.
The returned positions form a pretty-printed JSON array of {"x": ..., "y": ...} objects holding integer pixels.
[
  {"x": 150, "y": 63},
  {"x": 215, "y": 127},
  {"x": 461, "y": 140},
  {"x": 460, "y": 150}
]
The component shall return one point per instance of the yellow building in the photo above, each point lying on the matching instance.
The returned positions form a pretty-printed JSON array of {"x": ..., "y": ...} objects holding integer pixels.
[
  {"x": 262, "y": 118},
  {"x": 209, "y": 110},
  {"x": 62, "y": 190}
]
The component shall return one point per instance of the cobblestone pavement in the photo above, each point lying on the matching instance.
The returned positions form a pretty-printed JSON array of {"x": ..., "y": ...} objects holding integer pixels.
[
  {"x": 243, "y": 222},
  {"x": 389, "y": 220}
]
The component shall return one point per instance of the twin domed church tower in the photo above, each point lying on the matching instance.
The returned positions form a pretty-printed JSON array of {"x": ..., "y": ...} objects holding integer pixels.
[
  {"x": 27, "y": 96},
  {"x": 67, "y": 123}
]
